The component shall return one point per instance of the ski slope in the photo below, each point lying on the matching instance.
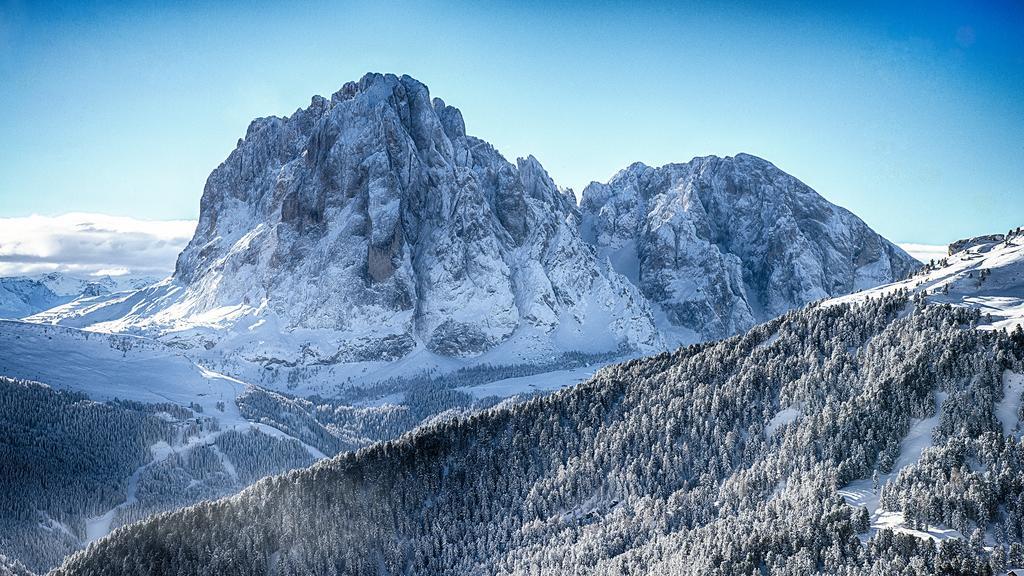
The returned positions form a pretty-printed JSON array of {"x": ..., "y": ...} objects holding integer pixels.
[
  {"x": 862, "y": 492},
  {"x": 1008, "y": 409}
]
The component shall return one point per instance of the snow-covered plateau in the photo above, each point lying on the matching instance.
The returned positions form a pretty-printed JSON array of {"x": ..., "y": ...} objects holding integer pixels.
[{"x": 986, "y": 273}]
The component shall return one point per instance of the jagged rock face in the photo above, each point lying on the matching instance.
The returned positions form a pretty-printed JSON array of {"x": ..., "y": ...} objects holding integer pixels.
[
  {"x": 719, "y": 244},
  {"x": 373, "y": 215}
]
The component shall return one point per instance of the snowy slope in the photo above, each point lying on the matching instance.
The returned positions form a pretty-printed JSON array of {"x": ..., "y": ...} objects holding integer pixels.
[
  {"x": 115, "y": 366},
  {"x": 1008, "y": 409},
  {"x": 109, "y": 366},
  {"x": 863, "y": 492},
  {"x": 988, "y": 275}
]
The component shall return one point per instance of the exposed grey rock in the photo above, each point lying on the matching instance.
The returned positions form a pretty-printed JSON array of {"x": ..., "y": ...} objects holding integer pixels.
[{"x": 966, "y": 243}]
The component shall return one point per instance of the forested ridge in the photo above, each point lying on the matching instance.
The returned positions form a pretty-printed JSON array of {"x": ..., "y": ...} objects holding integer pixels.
[
  {"x": 51, "y": 479},
  {"x": 67, "y": 461},
  {"x": 678, "y": 463},
  {"x": 666, "y": 465}
]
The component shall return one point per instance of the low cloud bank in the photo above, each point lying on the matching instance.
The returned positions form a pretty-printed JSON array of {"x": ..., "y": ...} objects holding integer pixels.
[
  {"x": 91, "y": 244},
  {"x": 926, "y": 252}
]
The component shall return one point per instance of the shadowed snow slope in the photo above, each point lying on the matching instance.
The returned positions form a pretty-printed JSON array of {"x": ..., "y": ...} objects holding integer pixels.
[{"x": 109, "y": 366}]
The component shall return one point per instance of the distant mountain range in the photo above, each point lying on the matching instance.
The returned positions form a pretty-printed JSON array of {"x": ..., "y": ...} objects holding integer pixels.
[{"x": 22, "y": 296}]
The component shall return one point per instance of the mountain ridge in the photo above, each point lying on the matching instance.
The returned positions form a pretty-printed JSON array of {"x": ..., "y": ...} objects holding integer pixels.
[{"x": 27, "y": 295}]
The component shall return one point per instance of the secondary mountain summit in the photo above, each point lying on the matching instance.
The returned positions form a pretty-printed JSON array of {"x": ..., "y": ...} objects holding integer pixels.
[
  {"x": 369, "y": 226},
  {"x": 720, "y": 244}
]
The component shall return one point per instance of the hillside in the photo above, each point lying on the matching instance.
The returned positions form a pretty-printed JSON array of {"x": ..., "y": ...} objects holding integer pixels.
[
  {"x": 126, "y": 426},
  {"x": 719, "y": 458},
  {"x": 985, "y": 273}
]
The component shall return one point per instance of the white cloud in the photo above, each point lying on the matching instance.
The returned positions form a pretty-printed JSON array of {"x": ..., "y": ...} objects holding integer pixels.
[
  {"x": 90, "y": 244},
  {"x": 926, "y": 252}
]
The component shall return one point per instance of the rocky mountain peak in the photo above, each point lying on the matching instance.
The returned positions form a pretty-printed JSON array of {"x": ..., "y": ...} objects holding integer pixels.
[
  {"x": 373, "y": 216},
  {"x": 451, "y": 119},
  {"x": 718, "y": 244}
]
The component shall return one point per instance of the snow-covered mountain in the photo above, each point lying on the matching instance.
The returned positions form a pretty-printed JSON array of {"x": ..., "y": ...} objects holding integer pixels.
[
  {"x": 22, "y": 296},
  {"x": 369, "y": 231},
  {"x": 369, "y": 226},
  {"x": 68, "y": 285},
  {"x": 719, "y": 244}
]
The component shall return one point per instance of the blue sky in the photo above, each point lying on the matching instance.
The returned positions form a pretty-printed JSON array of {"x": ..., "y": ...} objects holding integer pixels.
[{"x": 910, "y": 116}]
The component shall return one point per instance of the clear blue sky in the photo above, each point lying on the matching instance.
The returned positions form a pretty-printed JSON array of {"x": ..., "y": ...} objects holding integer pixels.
[{"x": 911, "y": 116}]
